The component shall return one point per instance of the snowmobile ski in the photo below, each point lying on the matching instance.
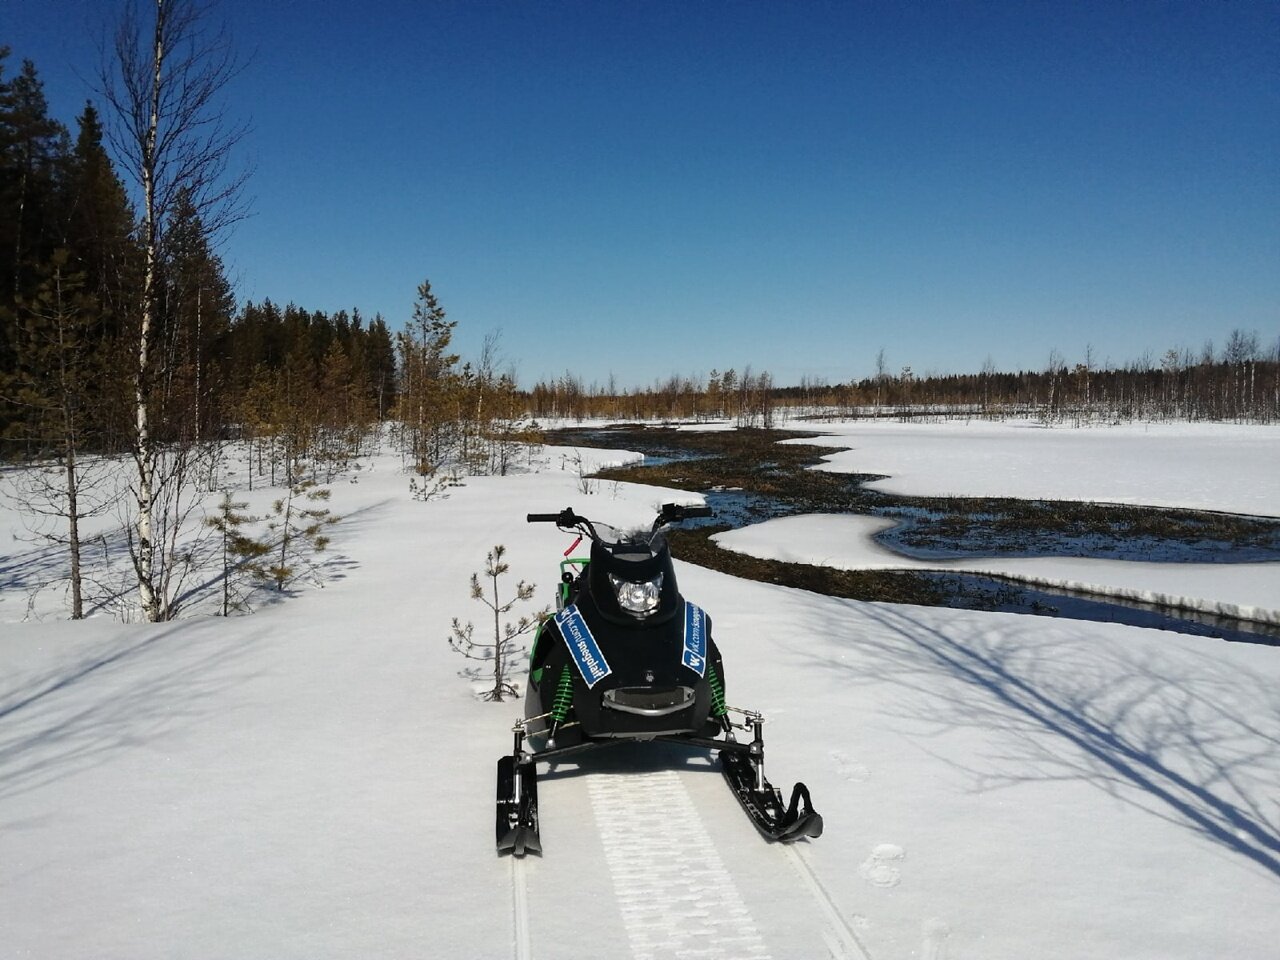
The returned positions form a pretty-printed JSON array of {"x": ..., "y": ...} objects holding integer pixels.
[
  {"x": 763, "y": 804},
  {"x": 517, "y": 814}
]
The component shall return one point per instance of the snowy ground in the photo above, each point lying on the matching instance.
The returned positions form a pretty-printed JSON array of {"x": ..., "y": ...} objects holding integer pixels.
[
  {"x": 1208, "y": 466},
  {"x": 315, "y": 780}
]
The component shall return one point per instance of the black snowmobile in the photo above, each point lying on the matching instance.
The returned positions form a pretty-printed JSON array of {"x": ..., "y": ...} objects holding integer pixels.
[{"x": 627, "y": 658}]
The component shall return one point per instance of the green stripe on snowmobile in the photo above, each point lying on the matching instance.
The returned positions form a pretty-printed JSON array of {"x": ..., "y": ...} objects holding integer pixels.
[
  {"x": 718, "y": 708},
  {"x": 564, "y": 696}
]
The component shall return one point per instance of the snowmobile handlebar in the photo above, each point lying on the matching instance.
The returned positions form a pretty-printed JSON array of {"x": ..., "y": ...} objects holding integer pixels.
[
  {"x": 566, "y": 519},
  {"x": 670, "y": 513},
  {"x": 675, "y": 513},
  {"x": 564, "y": 516}
]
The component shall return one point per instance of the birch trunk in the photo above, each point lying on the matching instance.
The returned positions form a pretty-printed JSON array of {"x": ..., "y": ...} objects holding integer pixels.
[
  {"x": 144, "y": 450},
  {"x": 73, "y": 532}
]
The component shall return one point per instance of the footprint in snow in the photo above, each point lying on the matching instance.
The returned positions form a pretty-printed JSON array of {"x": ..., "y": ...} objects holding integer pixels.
[
  {"x": 848, "y": 768},
  {"x": 881, "y": 868}
]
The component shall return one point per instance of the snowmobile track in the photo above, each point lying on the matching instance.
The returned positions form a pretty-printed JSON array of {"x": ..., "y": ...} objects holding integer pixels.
[
  {"x": 672, "y": 890},
  {"x": 675, "y": 895}
]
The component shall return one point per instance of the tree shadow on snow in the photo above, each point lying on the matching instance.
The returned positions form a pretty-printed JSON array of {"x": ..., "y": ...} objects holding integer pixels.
[
  {"x": 106, "y": 572},
  {"x": 39, "y": 564},
  {"x": 75, "y": 716},
  {"x": 1187, "y": 738}
]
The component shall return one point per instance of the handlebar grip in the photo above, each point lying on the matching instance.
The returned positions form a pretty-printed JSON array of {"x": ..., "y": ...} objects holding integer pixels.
[
  {"x": 702, "y": 511},
  {"x": 543, "y": 518}
]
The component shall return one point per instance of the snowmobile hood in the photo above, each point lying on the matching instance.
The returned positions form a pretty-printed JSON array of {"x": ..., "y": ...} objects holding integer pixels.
[{"x": 635, "y": 563}]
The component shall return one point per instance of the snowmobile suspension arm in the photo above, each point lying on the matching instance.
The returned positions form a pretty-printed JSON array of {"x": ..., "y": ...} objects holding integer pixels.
[
  {"x": 729, "y": 746},
  {"x": 707, "y": 743}
]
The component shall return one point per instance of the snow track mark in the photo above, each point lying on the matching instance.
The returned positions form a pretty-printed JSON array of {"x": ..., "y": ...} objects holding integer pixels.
[
  {"x": 674, "y": 893},
  {"x": 520, "y": 907},
  {"x": 936, "y": 933},
  {"x": 843, "y": 942}
]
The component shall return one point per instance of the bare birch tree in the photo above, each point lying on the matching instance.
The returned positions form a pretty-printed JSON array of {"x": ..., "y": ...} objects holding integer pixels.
[{"x": 162, "y": 77}]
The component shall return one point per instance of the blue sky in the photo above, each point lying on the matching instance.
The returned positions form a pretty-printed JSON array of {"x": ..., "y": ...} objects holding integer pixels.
[{"x": 643, "y": 188}]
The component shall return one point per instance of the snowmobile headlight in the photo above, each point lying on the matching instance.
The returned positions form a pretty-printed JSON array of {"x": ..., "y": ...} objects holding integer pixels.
[{"x": 640, "y": 598}]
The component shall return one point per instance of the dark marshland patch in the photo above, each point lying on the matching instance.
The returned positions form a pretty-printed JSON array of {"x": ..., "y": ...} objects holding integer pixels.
[{"x": 749, "y": 476}]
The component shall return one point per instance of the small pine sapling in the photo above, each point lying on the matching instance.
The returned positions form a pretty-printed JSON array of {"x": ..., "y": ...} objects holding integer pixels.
[
  {"x": 504, "y": 646},
  {"x": 241, "y": 553},
  {"x": 434, "y": 484},
  {"x": 299, "y": 527}
]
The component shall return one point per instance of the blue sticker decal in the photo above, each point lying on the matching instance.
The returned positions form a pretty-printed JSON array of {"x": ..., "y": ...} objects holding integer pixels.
[
  {"x": 582, "y": 646},
  {"x": 696, "y": 629}
]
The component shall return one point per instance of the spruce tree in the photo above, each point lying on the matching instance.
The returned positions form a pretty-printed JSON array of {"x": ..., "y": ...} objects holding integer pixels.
[
  {"x": 33, "y": 151},
  {"x": 98, "y": 228},
  {"x": 381, "y": 366},
  {"x": 196, "y": 318},
  {"x": 428, "y": 386},
  {"x": 33, "y": 156}
]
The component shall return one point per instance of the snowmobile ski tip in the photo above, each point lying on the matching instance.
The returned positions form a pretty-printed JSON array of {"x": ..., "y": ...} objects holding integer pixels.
[
  {"x": 517, "y": 813},
  {"x": 776, "y": 822}
]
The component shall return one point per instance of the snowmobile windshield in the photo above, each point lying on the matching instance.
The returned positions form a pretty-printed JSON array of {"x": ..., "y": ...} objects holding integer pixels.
[
  {"x": 631, "y": 583},
  {"x": 608, "y": 534},
  {"x": 634, "y": 540}
]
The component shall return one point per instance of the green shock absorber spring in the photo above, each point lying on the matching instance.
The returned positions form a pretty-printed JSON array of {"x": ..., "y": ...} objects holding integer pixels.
[
  {"x": 718, "y": 709},
  {"x": 564, "y": 696}
]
